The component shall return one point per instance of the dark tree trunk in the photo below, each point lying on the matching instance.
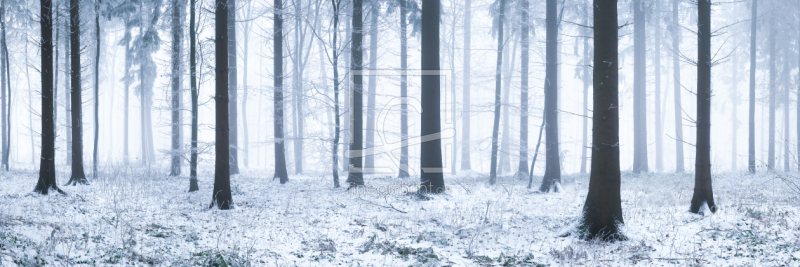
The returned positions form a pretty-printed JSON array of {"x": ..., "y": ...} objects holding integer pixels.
[
  {"x": 536, "y": 153},
  {"x": 602, "y": 212},
  {"x": 552, "y": 173},
  {"x": 5, "y": 98},
  {"x": 175, "y": 98},
  {"x": 68, "y": 88},
  {"x": 498, "y": 83},
  {"x": 369, "y": 159},
  {"x": 233, "y": 87},
  {"x": 96, "y": 88},
  {"x": 355, "y": 175},
  {"x": 465, "y": 112},
  {"x": 404, "y": 90},
  {"x": 639, "y": 88},
  {"x": 676, "y": 69},
  {"x": 771, "y": 97},
  {"x": 522, "y": 171},
  {"x": 335, "y": 46},
  {"x": 221, "y": 196},
  {"x": 702, "y": 171},
  {"x": 586, "y": 83},
  {"x": 193, "y": 80},
  {"x": 280, "y": 156},
  {"x": 77, "y": 177},
  {"x": 47, "y": 169},
  {"x": 798, "y": 107},
  {"x": 751, "y": 131},
  {"x": 431, "y": 148},
  {"x": 656, "y": 20}
]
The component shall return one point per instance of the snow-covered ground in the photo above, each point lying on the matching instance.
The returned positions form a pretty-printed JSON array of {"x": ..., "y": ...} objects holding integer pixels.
[{"x": 139, "y": 217}]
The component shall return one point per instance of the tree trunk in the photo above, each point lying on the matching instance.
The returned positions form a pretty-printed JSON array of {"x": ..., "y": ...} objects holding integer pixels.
[
  {"x": 552, "y": 174},
  {"x": 335, "y": 46},
  {"x": 498, "y": 80},
  {"x": 369, "y": 159},
  {"x": 280, "y": 156},
  {"x": 77, "y": 177},
  {"x": 734, "y": 112},
  {"x": 297, "y": 90},
  {"x": 504, "y": 164},
  {"x": 4, "y": 98},
  {"x": 602, "y": 212},
  {"x": 128, "y": 81},
  {"x": 96, "y": 88},
  {"x": 355, "y": 175},
  {"x": 193, "y": 186},
  {"x": 786, "y": 99},
  {"x": 68, "y": 89},
  {"x": 522, "y": 171},
  {"x": 233, "y": 87},
  {"x": 751, "y": 142},
  {"x": 639, "y": 88},
  {"x": 403, "y": 90},
  {"x": 676, "y": 69},
  {"x": 657, "y": 72},
  {"x": 347, "y": 139},
  {"x": 431, "y": 178},
  {"x": 465, "y": 111},
  {"x": 247, "y": 27},
  {"x": 221, "y": 196},
  {"x": 177, "y": 42},
  {"x": 703, "y": 193},
  {"x": 47, "y": 168},
  {"x": 771, "y": 97},
  {"x": 586, "y": 83}
]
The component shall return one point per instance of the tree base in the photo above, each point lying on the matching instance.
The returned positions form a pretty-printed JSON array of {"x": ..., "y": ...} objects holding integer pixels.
[
  {"x": 587, "y": 231},
  {"x": 78, "y": 181},
  {"x": 193, "y": 186}
]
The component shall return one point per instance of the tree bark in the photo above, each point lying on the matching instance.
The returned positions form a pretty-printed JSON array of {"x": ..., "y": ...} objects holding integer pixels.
[
  {"x": 68, "y": 88},
  {"x": 96, "y": 88},
  {"x": 78, "y": 176},
  {"x": 703, "y": 193},
  {"x": 280, "y": 156},
  {"x": 602, "y": 212},
  {"x": 335, "y": 45},
  {"x": 355, "y": 175},
  {"x": 221, "y": 196},
  {"x": 177, "y": 52},
  {"x": 47, "y": 168},
  {"x": 431, "y": 178},
  {"x": 676, "y": 70},
  {"x": 498, "y": 83},
  {"x": 552, "y": 174},
  {"x": 193, "y": 186}
]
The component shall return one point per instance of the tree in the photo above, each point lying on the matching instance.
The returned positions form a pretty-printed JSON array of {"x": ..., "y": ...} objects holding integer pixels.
[
  {"x": 676, "y": 70},
  {"x": 586, "y": 83},
  {"x": 336, "y": 4},
  {"x": 771, "y": 97},
  {"x": 47, "y": 168},
  {"x": 552, "y": 173},
  {"x": 78, "y": 176},
  {"x": 5, "y": 90},
  {"x": 405, "y": 7},
  {"x": 221, "y": 195},
  {"x": 233, "y": 88},
  {"x": 602, "y": 212},
  {"x": 656, "y": 20},
  {"x": 498, "y": 82},
  {"x": 145, "y": 45},
  {"x": 702, "y": 172},
  {"x": 375, "y": 8},
  {"x": 355, "y": 176},
  {"x": 465, "y": 112},
  {"x": 96, "y": 87},
  {"x": 175, "y": 97},
  {"x": 431, "y": 178},
  {"x": 280, "y": 157},
  {"x": 193, "y": 80},
  {"x": 522, "y": 171},
  {"x": 639, "y": 88},
  {"x": 751, "y": 141}
]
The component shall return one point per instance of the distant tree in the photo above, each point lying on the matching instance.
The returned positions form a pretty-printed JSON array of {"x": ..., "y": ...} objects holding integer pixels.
[
  {"x": 501, "y": 9},
  {"x": 431, "y": 178},
  {"x": 96, "y": 87},
  {"x": 5, "y": 89},
  {"x": 47, "y": 168},
  {"x": 522, "y": 171},
  {"x": 703, "y": 193},
  {"x": 771, "y": 98},
  {"x": 409, "y": 13},
  {"x": 233, "y": 89},
  {"x": 552, "y": 173},
  {"x": 465, "y": 112},
  {"x": 193, "y": 80},
  {"x": 280, "y": 156},
  {"x": 127, "y": 11},
  {"x": 676, "y": 70},
  {"x": 355, "y": 175},
  {"x": 602, "y": 212},
  {"x": 221, "y": 195},
  {"x": 656, "y": 21},
  {"x": 145, "y": 45},
  {"x": 175, "y": 96},
  {"x": 639, "y": 88},
  {"x": 78, "y": 176},
  {"x": 374, "y": 12},
  {"x": 336, "y": 6},
  {"x": 587, "y": 80},
  {"x": 751, "y": 141}
]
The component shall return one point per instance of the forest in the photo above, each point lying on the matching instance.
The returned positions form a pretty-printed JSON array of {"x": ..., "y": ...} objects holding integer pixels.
[{"x": 399, "y": 133}]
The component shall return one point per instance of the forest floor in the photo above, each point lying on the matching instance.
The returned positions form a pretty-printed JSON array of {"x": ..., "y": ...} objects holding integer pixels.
[{"x": 141, "y": 217}]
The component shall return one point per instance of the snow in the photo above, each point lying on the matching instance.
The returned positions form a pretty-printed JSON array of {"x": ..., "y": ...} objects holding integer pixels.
[{"x": 135, "y": 216}]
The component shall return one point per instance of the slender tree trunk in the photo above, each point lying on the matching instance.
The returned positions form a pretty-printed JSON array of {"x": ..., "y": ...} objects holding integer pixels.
[
  {"x": 431, "y": 178},
  {"x": 47, "y": 168},
  {"x": 78, "y": 176},
  {"x": 751, "y": 142},
  {"x": 734, "y": 113},
  {"x": 233, "y": 87},
  {"x": 798, "y": 108},
  {"x": 177, "y": 52},
  {"x": 404, "y": 90},
  {"x": 347, "y": 139},
  {"x": 586, "y": 83},
  {"x": 786, "y": 100},
  {"x": 602, "y": 212},
  {"x": 280, "y": 156},
  {"x": 657, "y": 62},
  {"x": 355, "y": 175},
  {"x": 536, "y": 153},
  {"x": 335, "y": 45},
  {"x": 30, "y": 106},
  {"x": 128, "y": 79},
  {"x": 639, "y": 88},
  {"x": 246, "y": 151},
  {"x": 369, "y": 159},
  {"x": 703, "y": 193},
  {"x": 6, "y": 61},
  {"x": 552, "y": 174},
  {"x": 4, "y": 98},
  {"x": 221, "y": 196},
  {"x": 453, "y": 155},
  {"x": 68, "y": 89},
  {"x": 498, "y": 80},
  {"x": 465, "y": 110},
  {"x": 522, "y": 171},
  {"x": 504, "y": 164},
  {"x": 771, "y": 98},
  {"x": 56, "y": 42},
  {"x": 676, "y": 69},
  {"x": 96, "y": 88},
  {"x": 193, "y": 186}
]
